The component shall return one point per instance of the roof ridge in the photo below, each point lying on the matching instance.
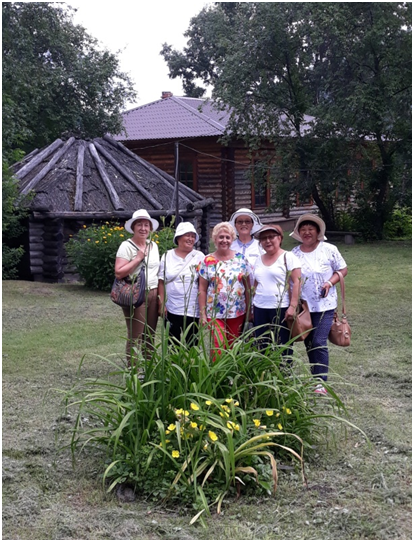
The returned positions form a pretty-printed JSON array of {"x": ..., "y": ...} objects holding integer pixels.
[{"x": 203, "y": 116}]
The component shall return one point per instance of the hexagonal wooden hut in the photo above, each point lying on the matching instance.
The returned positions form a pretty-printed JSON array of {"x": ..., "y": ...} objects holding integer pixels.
[{"x": 77, "y": 182}]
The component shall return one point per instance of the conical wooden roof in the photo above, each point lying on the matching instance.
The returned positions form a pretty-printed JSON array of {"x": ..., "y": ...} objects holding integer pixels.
[{"x": 98, "y": 176}]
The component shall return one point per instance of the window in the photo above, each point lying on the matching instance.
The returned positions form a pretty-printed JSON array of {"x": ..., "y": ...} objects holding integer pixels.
[
  {"x": 260, "y": 186},
  {"x": 187, "y": 174}
]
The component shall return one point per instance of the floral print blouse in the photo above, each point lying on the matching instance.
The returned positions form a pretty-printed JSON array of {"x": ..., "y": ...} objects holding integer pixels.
[{"x": 225, "y": 292}]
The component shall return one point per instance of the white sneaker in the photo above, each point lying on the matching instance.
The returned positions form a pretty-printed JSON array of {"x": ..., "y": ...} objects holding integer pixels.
[{"x": 321, "y": 390}]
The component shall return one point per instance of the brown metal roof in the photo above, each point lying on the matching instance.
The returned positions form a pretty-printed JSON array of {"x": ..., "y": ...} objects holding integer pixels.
[{"x": 181, "y": 117}]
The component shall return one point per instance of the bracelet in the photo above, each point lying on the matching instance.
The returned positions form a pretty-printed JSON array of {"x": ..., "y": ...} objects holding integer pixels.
[
  {"x": 294, "y": 306},
  {"x": 330, "y": 283}
]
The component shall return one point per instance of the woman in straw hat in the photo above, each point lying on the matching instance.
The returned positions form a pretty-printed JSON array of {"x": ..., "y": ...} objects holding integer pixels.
[
  {"x": 178, "y": 284},
  {"x": 132, "y": 254},
  {"x": 319, "y": 261}
]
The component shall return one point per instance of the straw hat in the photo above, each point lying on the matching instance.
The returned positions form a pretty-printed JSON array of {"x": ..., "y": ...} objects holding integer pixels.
[
  {"x": 141, "y": 214},
  {"x": 243, "y": 212},
  {"x": 183, "y": 228},
  {"x": 269, "y": 227},
  {"x": 312, "y": 218}
]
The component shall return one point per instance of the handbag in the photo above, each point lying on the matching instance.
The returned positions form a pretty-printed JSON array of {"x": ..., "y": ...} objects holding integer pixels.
[
  {"x": 340, "y": 333},
  {"x": 129, "y": 293},
  {"x": 301, "y": 324}
]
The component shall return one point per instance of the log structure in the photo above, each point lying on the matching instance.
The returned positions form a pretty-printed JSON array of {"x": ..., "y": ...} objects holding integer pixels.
[{"x": 77, "y": 182}]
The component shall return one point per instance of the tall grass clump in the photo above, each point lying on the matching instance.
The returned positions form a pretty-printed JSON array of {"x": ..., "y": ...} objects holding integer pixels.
[{"x": 196, "y": 430}]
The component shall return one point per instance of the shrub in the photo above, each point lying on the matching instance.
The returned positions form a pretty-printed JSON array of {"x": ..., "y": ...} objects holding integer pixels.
[
  {"x": 93, "y": 251},
  {"x": 206, "y": 428},
  {"x": 400, "y": 224}
]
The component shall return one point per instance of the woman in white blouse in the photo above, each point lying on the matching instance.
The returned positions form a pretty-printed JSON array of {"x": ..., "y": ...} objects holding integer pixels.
[
  {"x": 178, "y": 284},
  {"x": 319, "y": 261},
  {"x": 139, "y": 250},
  {"x": 272, "y": 305}
]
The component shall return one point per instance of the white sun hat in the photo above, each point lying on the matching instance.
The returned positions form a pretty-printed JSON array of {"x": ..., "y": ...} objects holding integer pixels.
[
  {"x": 141, "y": 214},
  {"x": 244, "y": 211},
  {"x": 183, "y": 228},
  {"x": 313, "y": 218}
]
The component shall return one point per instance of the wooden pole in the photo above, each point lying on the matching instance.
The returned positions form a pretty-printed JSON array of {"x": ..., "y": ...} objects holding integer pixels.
[{"x": 177, "y": 180}]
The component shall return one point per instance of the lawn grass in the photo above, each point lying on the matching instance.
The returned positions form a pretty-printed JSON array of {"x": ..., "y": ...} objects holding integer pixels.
[{"x": 356, "y": 491}]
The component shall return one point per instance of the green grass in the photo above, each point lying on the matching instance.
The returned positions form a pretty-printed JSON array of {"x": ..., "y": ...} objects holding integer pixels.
[{"x": 355, "y": 491}]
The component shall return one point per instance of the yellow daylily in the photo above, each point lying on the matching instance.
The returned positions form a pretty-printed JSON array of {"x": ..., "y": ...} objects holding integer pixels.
[{"x": 213, "y": 436}]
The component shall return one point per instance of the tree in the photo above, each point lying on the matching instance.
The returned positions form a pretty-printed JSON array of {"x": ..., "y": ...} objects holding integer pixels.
[
  {"x": 347, "y": 64},
  {"x": 55, "y": 78}
]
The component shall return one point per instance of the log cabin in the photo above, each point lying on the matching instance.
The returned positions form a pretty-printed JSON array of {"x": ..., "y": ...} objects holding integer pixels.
[{"x": 187, "y": 131}]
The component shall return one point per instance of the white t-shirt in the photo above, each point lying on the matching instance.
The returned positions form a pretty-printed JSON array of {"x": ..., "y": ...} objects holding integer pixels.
[
  {"x": 318, "y": 267},
  {"x": 152, "y": 261},
  {"x": 271, "y": 291},
  {"x": 181, "y": 294},
  {"x": 249, "y": 250}
]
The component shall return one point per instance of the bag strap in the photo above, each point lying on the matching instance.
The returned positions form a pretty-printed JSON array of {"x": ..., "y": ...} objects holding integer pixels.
[
  {"x": 341, "y": 280},
  {"x": 142, "y": 263},
  {"x": 187, "y": 262}
]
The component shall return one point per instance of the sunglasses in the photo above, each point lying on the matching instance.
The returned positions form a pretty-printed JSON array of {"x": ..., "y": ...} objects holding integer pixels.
[{"x": 244, "y": 222}]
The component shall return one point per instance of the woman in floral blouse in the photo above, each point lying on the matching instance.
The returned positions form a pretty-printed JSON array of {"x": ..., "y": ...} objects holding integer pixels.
[{"x": 224, "y": 288}]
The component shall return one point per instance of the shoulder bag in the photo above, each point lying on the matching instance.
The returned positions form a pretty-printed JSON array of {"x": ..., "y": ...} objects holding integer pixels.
[
  {"x": 130, "y": 293},
  {"x": 340, "y": 333},
  {"x": 301, "y": 324}
]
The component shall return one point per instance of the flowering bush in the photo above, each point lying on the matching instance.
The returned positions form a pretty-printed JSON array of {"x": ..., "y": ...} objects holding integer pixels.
[{"x": 93, "y": 251}]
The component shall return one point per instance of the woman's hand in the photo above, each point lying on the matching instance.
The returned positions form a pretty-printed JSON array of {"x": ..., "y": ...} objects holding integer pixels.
[{"x": 290, "y": 312}]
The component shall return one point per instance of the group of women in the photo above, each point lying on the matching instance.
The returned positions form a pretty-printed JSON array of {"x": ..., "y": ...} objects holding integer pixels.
[{"x": 248, "y": 278}]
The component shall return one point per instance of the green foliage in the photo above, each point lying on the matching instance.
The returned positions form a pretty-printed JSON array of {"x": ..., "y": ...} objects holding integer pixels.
[
  {"x": 14, "y": 210},
  {"x": 93, "y": 251},
  {"x": 206, "y": 428},
  {"x": 400, "y": 225},
  {"x": 273, "y": 63},
  {"x": 56, "y": 78}
]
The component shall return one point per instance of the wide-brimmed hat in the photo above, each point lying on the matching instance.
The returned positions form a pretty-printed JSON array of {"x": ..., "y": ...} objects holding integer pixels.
[
  {"x": 141, "y": 214},
  {"x": 312, "y": 218},
  {"x": 269, "y": 227},
  {"x": 183, "y": 228},
  {"x": 256, "y": 220}
]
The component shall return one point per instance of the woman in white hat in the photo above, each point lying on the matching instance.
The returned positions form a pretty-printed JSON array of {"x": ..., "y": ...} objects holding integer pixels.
[
  {"x": 272, "y": 303},
  {"x": 132, "y": 254},
  {"x": 246, "y": 223},
  {"x": 178, "y": 284},
  {"x": 319, "y": 261}
]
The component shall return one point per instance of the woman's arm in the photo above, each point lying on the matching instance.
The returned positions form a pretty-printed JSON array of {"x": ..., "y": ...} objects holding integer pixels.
[
  {"x": 124, "y": 267},
  {"x": 202, "y": 299},
  {"x": 334, "y": 280},
  {"x": 247, "y": 294},
  {"x": 295, "y": 277}
]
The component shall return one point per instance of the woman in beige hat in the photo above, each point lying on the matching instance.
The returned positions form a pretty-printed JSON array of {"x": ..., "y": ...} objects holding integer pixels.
[
  {"x": 178, "y": 284},
  {"x": 132, "y": 254},
  {"x": 319, "y": 261}
]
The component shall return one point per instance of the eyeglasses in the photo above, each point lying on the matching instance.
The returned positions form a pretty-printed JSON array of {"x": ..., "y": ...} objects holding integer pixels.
[
  {"x": 244, "y": 222},
  {"x": 271, "y": 236}
]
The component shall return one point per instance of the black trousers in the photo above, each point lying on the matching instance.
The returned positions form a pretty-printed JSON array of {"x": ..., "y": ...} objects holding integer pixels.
[{"x": 180, "y": 323}]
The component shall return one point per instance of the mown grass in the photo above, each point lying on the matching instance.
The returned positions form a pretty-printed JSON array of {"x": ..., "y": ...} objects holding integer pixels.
[{"x": 355, "y": 491}]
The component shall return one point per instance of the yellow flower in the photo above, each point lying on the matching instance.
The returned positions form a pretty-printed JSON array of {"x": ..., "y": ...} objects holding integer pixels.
[
  {"x": 236, "y": 403},
  {"x": 186, "y": 413},
  {"x": 202, "y": 427},
  {"x": 288, "y": 411},
  {"x": 205, "y": 446},
  {"x": 280, "y": 426},
  {"x": 208, "y": 403},
  {"x": 225, "y": 408},
  {"x": 269, "y": 412},
  {"x": 167, "y": 432},
  {"x": 175, "y": 453},
  {"x": 121, "y": 235},
  {"x": 213, "y": 436},
  {"x": 256, "y": 422},
  {"x": 179, "y": 411},
  {"x": 171, "y": 427},
  {"x": 109, "y": 234},
  {"x": 193, "y": 406},
  {"x": 96, "y": 242},
  {"x": 104, "y": 237},
  {"x": 224, "y": 414},
  {"x": 229, "y": 400},
  {"x": 236, "y": 427},
  {"x": 193, "y": 425},
  {"x": 88, "y": 239},
  {"x": 277, "y": 415},
  {"x": 157, "y": 242},
  {"x": 230, "y": 425},
  {"x": 84, "y": 225},
  {"x": 167, "y": 441}
]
